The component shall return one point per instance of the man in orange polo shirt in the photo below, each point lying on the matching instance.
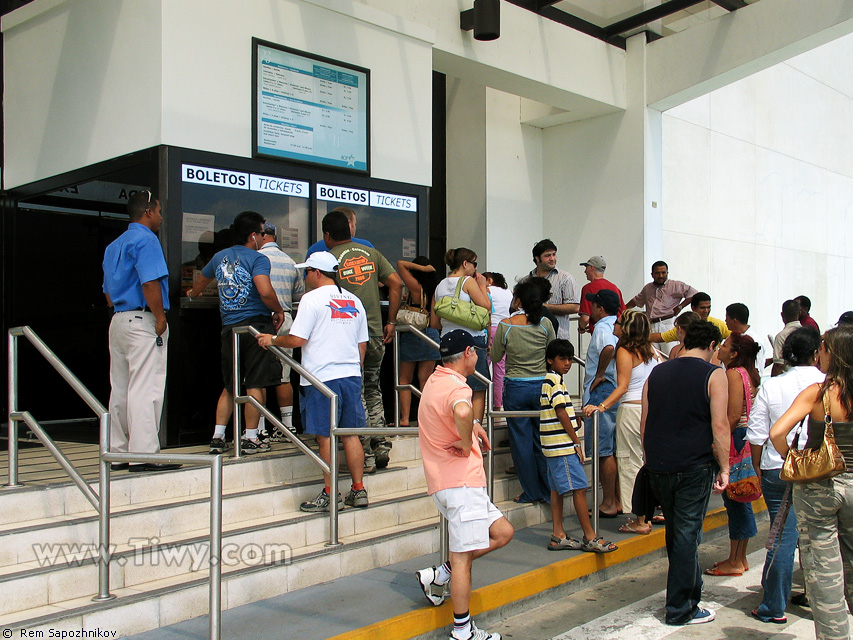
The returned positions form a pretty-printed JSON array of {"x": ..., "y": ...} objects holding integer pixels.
[{"x": 451, "y": 444}]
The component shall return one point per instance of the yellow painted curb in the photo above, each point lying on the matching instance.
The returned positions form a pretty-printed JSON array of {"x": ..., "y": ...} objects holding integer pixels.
[{"x": 499, "y": 594}]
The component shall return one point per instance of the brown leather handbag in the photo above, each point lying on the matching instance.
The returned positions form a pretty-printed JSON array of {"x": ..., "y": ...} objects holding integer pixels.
[{"x": 811, "y": 465}]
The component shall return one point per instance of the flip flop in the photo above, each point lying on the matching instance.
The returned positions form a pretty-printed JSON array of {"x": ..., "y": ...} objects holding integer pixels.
[
  {"x": 564, "y": 544},
  {"x": 715, "y": 571},
  {"x": 658, "y": 520},
  {"x": 781, "y": 620},
  {"x": 628, "y": 527},
  {"x": 608, "y": 516},
  {"x": 745, "y": 569}
]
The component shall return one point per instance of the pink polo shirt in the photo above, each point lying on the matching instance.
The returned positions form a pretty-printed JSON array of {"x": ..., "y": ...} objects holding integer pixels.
[{"x": 443, "y": 468}]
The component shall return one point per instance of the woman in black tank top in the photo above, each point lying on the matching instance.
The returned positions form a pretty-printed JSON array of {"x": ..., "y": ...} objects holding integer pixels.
[{"x": 825, "y": 508}]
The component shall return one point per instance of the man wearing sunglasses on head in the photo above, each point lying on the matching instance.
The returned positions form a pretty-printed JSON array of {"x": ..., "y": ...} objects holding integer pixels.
[{"x": 136, "y": 284}]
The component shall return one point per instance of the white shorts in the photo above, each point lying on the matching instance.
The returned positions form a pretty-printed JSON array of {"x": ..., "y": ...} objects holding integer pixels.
[{"x": 469, "y": 514}]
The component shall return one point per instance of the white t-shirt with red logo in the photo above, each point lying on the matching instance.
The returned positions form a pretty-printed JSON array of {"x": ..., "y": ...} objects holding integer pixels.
[{"x": 334, "y": 324}]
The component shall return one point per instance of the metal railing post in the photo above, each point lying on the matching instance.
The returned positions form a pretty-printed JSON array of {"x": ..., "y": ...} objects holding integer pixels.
[
  {"x": 12, "y": 425},
  {"x": 333, "y": 473},
  {"x": 490, "y": 432},
  {"x": 215, "y": 548},
  {"x": 580, "y": 370},
  {"x": 596, "y": 470},
  {"x": 105, "y": 553},
  {"x": 397, "y": 379},
  {"x": 235, "y": 391}
]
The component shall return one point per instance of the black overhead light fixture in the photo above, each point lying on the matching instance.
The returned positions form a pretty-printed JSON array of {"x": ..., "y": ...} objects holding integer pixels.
[{"x": 484, "y": 19}]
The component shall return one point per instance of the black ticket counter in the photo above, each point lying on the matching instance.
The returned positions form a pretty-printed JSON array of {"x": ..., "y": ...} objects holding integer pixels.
[{"x": 55, "y": 233}]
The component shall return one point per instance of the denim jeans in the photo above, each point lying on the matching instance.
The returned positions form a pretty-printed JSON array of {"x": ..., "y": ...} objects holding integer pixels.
[
  {"x": 684, "y": 499},
  {"x": 524, "y": 444},
  {"x": 779, "y": 563}
]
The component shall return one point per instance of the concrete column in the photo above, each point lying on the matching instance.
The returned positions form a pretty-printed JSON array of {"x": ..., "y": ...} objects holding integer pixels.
[
  {"x": 602, "y": 184},
  {"x": 466, "y": 166}
]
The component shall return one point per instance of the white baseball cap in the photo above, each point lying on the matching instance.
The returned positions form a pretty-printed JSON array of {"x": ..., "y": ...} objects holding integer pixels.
[{"x": 322, "y": 260}]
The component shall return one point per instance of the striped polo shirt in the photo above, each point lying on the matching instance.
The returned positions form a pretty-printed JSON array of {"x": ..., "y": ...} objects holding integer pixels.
[
  {"x": 555, "y": 441},
  {"x": 284, "y": 276}
]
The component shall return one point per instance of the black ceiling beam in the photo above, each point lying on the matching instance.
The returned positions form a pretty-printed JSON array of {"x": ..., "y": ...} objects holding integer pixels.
[
  {"x": 730, "y": 5},
  {"x": 566, "y": 19},
  {"x": 649, "y": 15}
]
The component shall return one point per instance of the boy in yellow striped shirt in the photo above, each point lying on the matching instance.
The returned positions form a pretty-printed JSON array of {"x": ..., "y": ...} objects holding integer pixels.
[{"x": 564, "y": 454}]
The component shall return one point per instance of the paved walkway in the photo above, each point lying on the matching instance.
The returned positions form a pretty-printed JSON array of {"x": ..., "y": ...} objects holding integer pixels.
[
  {"x": 631, "y": 607},
  {"x": 388, "y": 602}
]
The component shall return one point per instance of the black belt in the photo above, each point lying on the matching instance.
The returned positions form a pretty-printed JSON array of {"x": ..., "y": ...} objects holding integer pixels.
[
  {"x": 143, "y": 309},
  {"x": 667, "y": 317}
]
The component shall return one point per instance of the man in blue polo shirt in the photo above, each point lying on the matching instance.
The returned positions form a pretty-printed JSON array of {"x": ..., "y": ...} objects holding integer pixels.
[
  {"x": 136, "y": 284},
  {"x": 246, "y": 297},
  {"x": 321, "y": 245}
]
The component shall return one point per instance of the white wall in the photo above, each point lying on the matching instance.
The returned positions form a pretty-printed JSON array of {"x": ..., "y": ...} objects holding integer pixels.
[
  {"x": 89, "y": 80},
  {"x": 208, "y": 106},
  {"x": 81, "y": 84},
  {"x": 513, "y": 187},
  {"x": 494, "y": 178},
  {"x": 758, "y": 188}
]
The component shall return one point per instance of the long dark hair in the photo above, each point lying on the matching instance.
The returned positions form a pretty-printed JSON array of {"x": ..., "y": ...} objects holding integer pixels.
[
  {"x": 746, "y": 349},
  {"x": 426, "y": 279},
  {"x": 530, "y": 297},
  {"x": 838, "y": 343}
]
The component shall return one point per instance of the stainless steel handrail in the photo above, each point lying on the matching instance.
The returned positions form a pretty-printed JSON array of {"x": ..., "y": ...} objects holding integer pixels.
[
  {"x": 101, "y": 500},
  {"x": 490, "y": 415},
  {"x": 333, "y": 417}
]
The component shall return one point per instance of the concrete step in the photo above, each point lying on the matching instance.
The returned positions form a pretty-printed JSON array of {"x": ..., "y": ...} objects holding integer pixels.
[
  {"x": 168, "y": 600},
  {"x": 172, "y": 539},
  {"x": 282, "y": 465}
]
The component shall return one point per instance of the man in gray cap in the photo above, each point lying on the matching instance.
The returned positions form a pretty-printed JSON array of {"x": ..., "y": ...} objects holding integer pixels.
[{"x": 594, "y": 271}]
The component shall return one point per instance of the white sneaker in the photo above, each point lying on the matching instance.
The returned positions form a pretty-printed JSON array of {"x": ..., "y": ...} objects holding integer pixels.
[
  {"x": 476, "y": 634},
  {"x": 435, "y": 593},
  {"x": 703, "y": 615}
]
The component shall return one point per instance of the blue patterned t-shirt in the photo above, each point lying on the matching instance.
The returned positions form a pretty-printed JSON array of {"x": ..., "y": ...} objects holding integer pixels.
[{"x": 234, "y": 269}]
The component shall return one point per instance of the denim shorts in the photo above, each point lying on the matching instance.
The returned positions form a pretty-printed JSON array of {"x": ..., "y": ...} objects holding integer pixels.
[
  {"x": 606, "y": 422},
  {"x": 413, "y": 349},
  {"x": 314, "y": 407},
  {"x": 566, "y": 474}
]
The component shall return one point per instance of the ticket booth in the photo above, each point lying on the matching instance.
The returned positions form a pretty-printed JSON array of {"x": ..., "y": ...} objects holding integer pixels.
[{"x": 56, "y": 232}]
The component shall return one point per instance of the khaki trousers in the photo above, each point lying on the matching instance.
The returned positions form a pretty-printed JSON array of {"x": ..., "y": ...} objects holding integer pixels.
[{"x": 138, "y": 382}]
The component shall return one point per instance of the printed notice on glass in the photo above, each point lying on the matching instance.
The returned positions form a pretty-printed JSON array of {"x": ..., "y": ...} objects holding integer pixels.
[
  {"x": 195, "y": 225},
  {"x": 289, "y": 238},
  {"x": 310, "y": 109}
]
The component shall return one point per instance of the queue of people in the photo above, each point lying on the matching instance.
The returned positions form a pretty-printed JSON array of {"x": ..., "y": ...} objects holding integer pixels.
[{"x": 669, "y": 427}]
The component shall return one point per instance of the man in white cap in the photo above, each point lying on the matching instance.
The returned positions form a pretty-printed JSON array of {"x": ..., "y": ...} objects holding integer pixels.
[
  {"x": 331, "y": 329},
  {"x": 594, "y": 271}
]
